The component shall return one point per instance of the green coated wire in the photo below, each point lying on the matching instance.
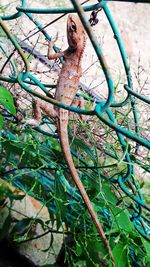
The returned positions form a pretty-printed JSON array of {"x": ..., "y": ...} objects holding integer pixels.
[
  {"x": 103, "y": 109},
  {"x": 15, "y": 15},
  {"x": 139, "y": 96},
  {"x": 124, "y": 131},
  {"x": 57, "y": 10},
  {"x": 11, "y": 61},
  {"x": 17, "y": 46}
]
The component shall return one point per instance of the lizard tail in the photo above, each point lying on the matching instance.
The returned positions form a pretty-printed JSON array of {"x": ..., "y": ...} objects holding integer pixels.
[{"x": 63, "y": 132}]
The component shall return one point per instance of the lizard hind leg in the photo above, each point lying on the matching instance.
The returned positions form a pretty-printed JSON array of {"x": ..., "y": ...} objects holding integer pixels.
[{"x": 40, "y": 107}]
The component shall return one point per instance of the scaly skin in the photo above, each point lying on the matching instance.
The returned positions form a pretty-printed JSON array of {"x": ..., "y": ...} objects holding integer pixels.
[{"x": 66, "y": 90}]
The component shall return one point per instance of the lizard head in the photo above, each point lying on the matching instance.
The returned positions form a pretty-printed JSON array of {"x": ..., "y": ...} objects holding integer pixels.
[{"x": 75, "y": 33}]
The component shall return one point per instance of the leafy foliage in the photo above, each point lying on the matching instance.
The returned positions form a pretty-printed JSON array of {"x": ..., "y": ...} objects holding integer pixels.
[
  {"x": 31, "y": 163},
  {"x": 6, "y": 100}
]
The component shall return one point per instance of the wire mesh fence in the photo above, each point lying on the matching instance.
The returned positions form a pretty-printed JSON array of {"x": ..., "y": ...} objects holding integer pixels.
[{"x": 24, "y": 85}]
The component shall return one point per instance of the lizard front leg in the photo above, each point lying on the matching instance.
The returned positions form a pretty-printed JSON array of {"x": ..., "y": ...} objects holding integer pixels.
[
  {"x": 55, "y": 55},
  {"x": 39, "y": 106}
]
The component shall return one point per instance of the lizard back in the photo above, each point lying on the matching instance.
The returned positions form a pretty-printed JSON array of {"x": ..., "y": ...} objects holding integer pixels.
[{"x": 71, "y": 71}]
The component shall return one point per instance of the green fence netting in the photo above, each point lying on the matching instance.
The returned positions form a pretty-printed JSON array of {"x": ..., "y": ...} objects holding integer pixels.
[{"x": 104, "y": 110}]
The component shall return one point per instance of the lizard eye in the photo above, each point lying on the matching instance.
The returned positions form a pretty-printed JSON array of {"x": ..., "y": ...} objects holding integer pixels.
[{"x": 73, "y": 27}]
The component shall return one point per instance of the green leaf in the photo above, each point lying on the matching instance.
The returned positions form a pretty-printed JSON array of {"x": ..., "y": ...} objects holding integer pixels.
[
  {"x": 16, "y": 197},
  {"x": 120, "y": 255},
  {"x": 90, "y": 250},
  {"x": 22, "y": 226},
  {"x": 78, "y": 250},
  {"x": 147, "y": 248},
  {"x": 121, "y": 217},
  {"x": 39, "y": 221},
  {"x": 60, "y": 199},
  {"x": 6, "y": 227},
  {"x": 5, "y": 191},
  {"x": 84, "y": 148},
  {"x": 80, "y": 263},
  {"x": 109, "y": 195},
  {"x": 1, "y": 122},
  {"x": 6, "y": 100}
]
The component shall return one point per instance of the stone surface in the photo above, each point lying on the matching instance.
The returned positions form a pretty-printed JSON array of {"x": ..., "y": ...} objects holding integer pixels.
[{"x": 36, "y": 250}]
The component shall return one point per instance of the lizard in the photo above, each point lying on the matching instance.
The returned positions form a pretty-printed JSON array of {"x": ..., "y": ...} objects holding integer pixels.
[
  {"x": 45, "y": 61},
  {"x": 66, "y": 89}
]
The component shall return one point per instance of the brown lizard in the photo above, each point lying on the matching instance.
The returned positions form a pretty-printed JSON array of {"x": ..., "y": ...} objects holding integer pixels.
[{"x": 66, "y": 90}]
